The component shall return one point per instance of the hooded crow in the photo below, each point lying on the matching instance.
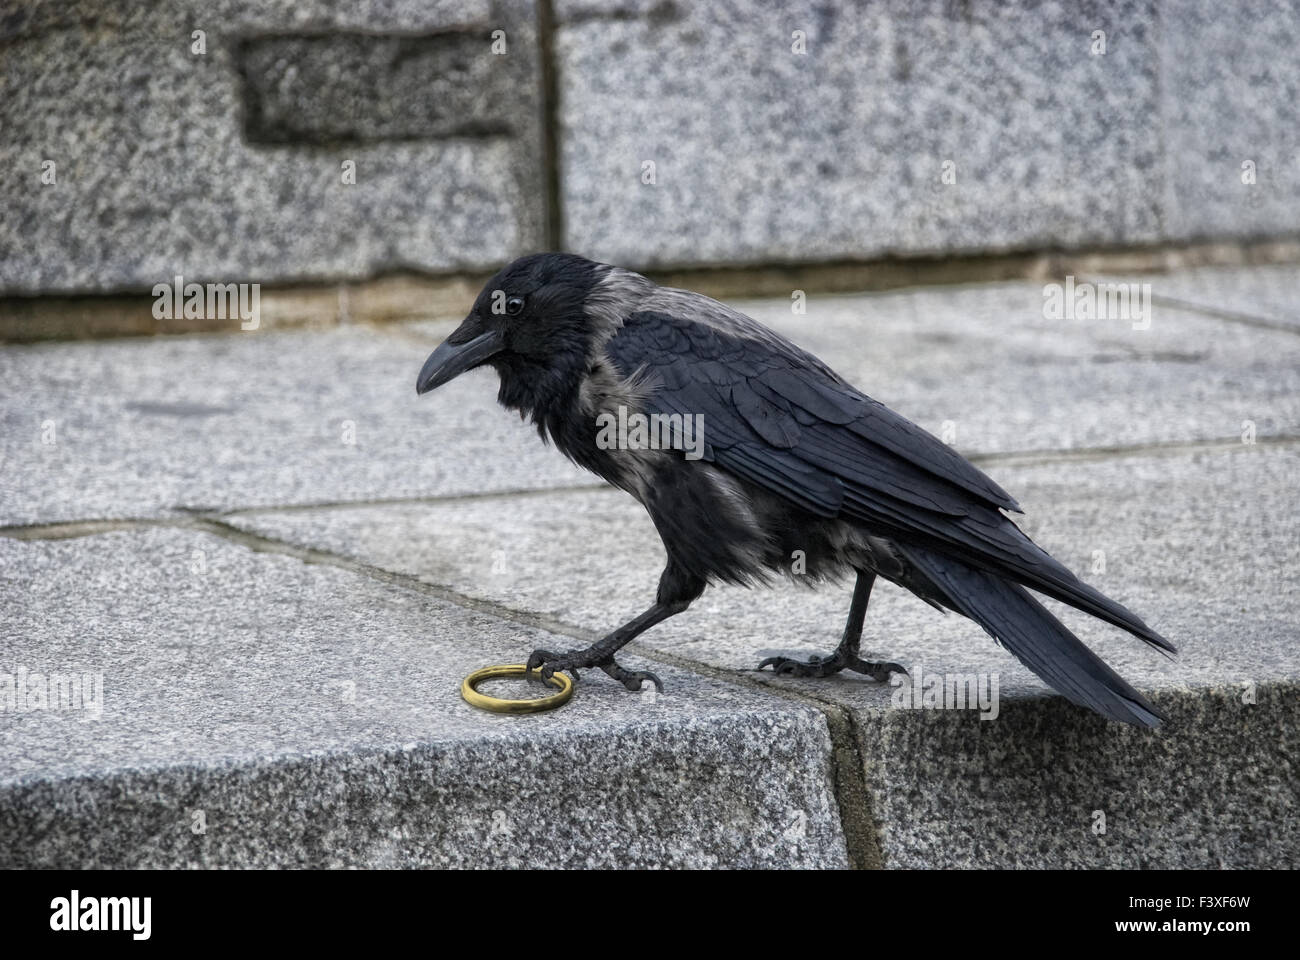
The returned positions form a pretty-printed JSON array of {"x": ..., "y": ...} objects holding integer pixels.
[{"x": 765, "y": 454}]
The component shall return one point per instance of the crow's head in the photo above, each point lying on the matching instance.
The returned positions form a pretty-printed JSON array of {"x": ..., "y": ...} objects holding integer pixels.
[{"x": 533, "y": 323}]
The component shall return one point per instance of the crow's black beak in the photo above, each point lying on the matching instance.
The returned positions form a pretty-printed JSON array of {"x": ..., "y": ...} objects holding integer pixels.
[{"x": 451, "y": 359}]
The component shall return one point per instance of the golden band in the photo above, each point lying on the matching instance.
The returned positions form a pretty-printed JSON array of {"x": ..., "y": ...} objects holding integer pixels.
[{"x": 469, "y": 691}]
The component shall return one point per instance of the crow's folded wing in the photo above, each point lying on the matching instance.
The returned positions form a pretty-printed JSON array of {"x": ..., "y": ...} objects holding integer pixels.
[
  {"x": 758, "y": 385},
  {"x": 778, "y": 417}
]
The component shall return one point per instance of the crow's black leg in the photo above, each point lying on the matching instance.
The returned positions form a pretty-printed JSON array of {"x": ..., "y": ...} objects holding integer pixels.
[
  {"x": 845, "y": 656},
  {"x": 601, "y": 653},
  {"x": 676, "y": 591}
]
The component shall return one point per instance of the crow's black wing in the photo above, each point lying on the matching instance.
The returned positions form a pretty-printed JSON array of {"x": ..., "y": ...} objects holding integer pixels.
[
  {"x": 778, "y": 417},
  {"x": 790, "y": 399}
]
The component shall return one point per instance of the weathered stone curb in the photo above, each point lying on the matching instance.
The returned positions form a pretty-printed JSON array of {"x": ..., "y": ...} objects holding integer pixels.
[{"x": 255, "y": 711}]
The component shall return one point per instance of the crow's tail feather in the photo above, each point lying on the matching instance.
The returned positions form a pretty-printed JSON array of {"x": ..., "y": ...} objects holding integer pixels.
[{"x": 1037, "y": 639}]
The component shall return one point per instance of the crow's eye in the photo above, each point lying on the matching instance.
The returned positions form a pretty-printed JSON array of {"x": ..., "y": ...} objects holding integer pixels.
[{"x": 514, "y": 305}]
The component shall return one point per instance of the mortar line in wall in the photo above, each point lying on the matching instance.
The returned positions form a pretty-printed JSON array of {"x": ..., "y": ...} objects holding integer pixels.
[{"x": 550, "y": 111}]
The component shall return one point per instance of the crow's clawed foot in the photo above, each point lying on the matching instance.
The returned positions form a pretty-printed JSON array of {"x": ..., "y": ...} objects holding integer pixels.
[
  {"x": 548, "y": 662},
  {"x": 825, "y": 666}
]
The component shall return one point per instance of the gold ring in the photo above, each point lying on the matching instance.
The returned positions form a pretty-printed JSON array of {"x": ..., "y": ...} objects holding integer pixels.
[{"x": 468, "y": 690}]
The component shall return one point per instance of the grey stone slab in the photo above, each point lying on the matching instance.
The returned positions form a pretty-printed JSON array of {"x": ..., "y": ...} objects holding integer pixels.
[
  {"x": 762, "y": 154},
  {"x": 141, "y": 427},
  {"x": 1270, "y": 293},
  {"x": 1202, "y": 545},
  {"x": 1043, "y": 788},
  {"x": 983, "y": 367},
  {"x": 592, "y": 558},
  {"x": 144, "y": 427},
  {"x": 1228, "y": 97},
  {"x": 155, "y": 175},
  {"x": 256, "y": 711}
]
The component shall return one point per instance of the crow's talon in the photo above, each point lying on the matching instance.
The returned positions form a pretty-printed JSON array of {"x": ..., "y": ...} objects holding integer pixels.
[
  {"x": 878, "y": 671},
  {"x": 793, "y": 668},
  {"x": 632, "y": 679},
  {"x": 825, "y": 666},
  {"x": 813, "y": 667},
  {"x": 784, "y": 666},
  {"x": 543, "y": 664},
  {"x": 536, "y": 659}
]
